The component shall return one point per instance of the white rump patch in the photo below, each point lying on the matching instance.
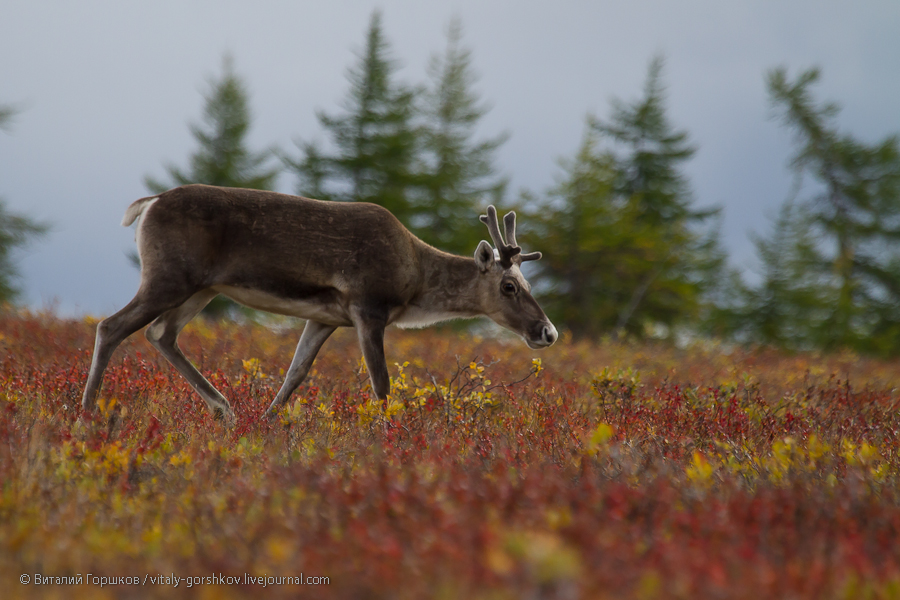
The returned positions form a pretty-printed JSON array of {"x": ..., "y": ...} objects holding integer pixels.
[{"x": 136, "y": 210}]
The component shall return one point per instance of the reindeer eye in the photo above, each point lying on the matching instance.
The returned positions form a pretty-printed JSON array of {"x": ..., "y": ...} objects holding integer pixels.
[{"x": 508, "y": 288}]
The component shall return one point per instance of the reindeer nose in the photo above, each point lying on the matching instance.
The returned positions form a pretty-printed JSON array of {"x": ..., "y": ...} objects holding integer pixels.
[{"x": 549, "y": 334}]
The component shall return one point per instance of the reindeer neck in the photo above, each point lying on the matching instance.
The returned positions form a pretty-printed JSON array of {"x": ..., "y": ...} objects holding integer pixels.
[{"x": 449, "y": 283}]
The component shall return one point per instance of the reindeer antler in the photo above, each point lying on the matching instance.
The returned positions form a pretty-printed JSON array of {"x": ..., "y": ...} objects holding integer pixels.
[
  {"x": 509, "y": 224},
  {"x": 509, "y": 252}
]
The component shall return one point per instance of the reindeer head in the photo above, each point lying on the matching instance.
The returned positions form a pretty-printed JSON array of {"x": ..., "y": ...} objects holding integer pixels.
[{"x": 506, "y": 295}]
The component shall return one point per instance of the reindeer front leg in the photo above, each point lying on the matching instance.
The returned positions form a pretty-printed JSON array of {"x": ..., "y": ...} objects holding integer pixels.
[
  {"x": 370, "y": 326},
  {"x": 314, "y": 335}
]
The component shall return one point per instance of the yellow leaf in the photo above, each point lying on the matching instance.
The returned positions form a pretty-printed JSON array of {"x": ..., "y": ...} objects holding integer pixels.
[
  {"x": 700, "y": 470},
  {"x": 816, "y": 448},
  {"x": 600, "y": 437}
]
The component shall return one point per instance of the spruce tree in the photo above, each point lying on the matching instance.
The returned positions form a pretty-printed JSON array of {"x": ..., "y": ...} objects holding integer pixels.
[
  {"x": 374, "y": 139},
  {"x": 792, "y": 304},
  {"x": 675, "y": 278},
  {"x": 654, "y": 260},
  {"x": 649, "y": 153},
  {"x": 584, "y": 239},
  {"x": 223, "y": 158},
  {"x": 459, "y": 176},
  {"x": 845, "y": 235},
  {"x": 6, "y": 116},
  {"x": 15, "y": 231}
]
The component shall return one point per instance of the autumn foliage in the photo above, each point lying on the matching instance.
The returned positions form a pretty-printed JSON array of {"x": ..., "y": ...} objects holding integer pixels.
[{"x": 584, "y": 471}]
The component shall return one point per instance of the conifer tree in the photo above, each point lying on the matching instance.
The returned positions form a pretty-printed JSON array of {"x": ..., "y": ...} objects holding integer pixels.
[
  {"x": 630, "y": 253},
  {"x": 843, "y": 237},
  {"x": 374, "y": 139},
  {"x": 15, "y": 231},
  {"x": 223, "y": 157},
  {"x": 459, "y": 176},
  {"x": 792, "y": 304},
  {"x": 6, "y": 115},
  {"x": 583, "y": 235},
  {"x": 649, "y": 153},
  {"x": 674, "y": 280}
]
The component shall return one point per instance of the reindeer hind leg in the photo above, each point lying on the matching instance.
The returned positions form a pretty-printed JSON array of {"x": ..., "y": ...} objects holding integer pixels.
[
  {"x": 163, "y": 334},
  {"x": 111, "y": 331}
]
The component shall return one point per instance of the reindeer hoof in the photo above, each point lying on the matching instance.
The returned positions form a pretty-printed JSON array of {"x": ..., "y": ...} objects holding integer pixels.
[{"x": 225, "y": 415}]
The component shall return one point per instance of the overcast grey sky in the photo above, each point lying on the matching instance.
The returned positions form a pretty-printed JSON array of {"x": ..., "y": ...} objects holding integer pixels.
[{"x": 108, "y": 88}]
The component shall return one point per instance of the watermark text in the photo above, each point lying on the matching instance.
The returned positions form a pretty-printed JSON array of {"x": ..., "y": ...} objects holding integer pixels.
[{"x": 173, "y": 580}]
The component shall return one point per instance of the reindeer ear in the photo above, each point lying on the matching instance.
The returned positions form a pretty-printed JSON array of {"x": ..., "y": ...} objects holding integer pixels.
[{"x": 484, "y": 256}]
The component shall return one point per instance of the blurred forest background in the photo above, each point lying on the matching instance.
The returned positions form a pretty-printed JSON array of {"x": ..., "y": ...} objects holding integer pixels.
[{"x": 627, "y": 254}]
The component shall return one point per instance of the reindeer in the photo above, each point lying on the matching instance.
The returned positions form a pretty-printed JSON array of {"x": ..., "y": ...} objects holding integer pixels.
[{"x": 335, "y": 264}]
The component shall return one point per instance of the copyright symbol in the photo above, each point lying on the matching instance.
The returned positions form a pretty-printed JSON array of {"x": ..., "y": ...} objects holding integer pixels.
[{"x": 24, "y": 579}]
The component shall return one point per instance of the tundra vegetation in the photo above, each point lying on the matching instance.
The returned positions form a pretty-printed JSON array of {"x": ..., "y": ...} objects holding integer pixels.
[{"x": 620, "y": 470}]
